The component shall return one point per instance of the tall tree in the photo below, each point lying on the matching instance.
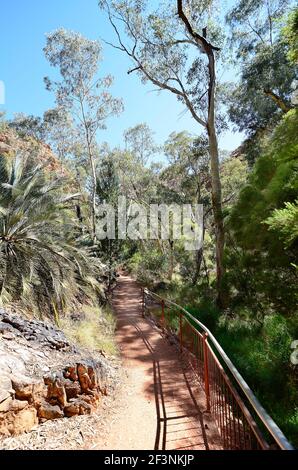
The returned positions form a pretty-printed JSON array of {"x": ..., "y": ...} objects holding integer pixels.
[
  {"x": 188, "y": 176},
  {"x": 81, "y": 92},
  {"x": 163, "y": 46},
  {"x": 139, "y": 140},
  {"x": 263, "y": 94}
]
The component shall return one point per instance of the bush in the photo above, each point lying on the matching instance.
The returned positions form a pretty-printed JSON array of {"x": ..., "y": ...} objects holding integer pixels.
[{"x": 93, "y": 329}]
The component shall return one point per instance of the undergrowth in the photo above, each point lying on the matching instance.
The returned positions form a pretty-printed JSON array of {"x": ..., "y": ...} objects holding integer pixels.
[
  {"x": 260, "y": 349},
  {"x": 92, "y": 329}
]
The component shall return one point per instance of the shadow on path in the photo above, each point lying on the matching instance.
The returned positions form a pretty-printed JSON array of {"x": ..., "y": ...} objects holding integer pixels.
[{"x": 158, "y": 382}]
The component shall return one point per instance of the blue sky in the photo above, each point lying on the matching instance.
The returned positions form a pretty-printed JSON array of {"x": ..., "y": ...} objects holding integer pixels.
[{"x": 23, "y": 66}]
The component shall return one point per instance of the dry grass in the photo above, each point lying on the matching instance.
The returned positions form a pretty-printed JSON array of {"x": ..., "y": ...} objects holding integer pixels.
[{"x": 93, "y": 330}]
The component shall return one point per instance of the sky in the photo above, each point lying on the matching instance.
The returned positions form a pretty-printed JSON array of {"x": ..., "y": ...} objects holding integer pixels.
[{"x": 23, "y": 66}]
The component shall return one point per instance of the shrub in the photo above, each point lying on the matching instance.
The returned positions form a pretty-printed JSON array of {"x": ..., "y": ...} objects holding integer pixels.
[{"x": 93, "y": 329}]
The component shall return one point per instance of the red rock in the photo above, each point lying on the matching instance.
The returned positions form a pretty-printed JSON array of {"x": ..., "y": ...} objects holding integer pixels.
[{"x": 47, "y": 411}]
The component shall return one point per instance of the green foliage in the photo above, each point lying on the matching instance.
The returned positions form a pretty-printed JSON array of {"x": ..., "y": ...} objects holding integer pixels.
[
  {"x": 285, "y": 223},
  {"x": 82, "y": 94},
  {"x": 42, "y": 266},
  {"x": 29, "y": 126},
  {"x": 77, "y": 59},
  {"x": 149, "y": 265},
  {"x": 259, "y": 262},
  {"x": 290, "y": 35},
  {"x": 139, "y": 141},
  {"x": 260, "y": 348},
  {"x": 262, "y": 354},
  {"x": 93, "y": 329},
  {"x": 3, "y": 122},
  {"x": 272, "y": 182},
  {"x": 252, "y": 104},
  {"x": 264, "y": 90}
]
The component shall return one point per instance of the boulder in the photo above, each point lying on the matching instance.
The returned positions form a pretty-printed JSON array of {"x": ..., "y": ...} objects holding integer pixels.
[
  {"x": 6, "y": 404},
  {"x": 43, "y": 376},
  {"x": 12, "y": 423},
  {"x": 84, "y": 378},
  {"x": 72, "y": 389},
  {"x": 77, "y": 406},
  {"x": 48, "y": 412},
  {"x": 70, "y": 372},
  {"x": 18, "y": 405},
  {"x": 5, "y": 387},
  {"x": 56, "y": 391},
  {"x": 23, "y": 387}
]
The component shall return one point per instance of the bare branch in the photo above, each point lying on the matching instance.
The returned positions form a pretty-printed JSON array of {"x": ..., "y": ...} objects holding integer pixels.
[
  {"x": 201, "y": 41},
  {"x": 133, "y": 70}
]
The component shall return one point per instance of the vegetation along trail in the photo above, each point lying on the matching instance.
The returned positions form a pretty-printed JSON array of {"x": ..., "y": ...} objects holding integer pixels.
[{"x": 162, "y": 408}]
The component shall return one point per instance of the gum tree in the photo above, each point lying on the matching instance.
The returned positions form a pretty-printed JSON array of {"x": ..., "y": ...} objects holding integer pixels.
[
  {"x": 263, "y": 94},
  {"x": 168, "y": 50},
  {"x": 82, "y": 93}
]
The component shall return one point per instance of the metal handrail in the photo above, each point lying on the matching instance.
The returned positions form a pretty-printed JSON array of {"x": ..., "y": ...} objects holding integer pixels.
[{"x": 266, "y": 419}]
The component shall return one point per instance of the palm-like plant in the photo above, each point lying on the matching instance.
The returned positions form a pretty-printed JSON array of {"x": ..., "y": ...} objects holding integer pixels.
[{"x": 42, "y": 265}]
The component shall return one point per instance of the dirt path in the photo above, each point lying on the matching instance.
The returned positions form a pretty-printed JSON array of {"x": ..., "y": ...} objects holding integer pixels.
[{"x": 160, "y": 408}]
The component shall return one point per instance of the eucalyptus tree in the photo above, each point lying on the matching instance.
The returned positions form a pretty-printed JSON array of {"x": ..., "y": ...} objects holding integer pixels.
[
  {"x": 290, "y": 35},
  {"x": 81, "y": 92},
  {"x": 28, "y": 126},
  {"x": 188, "y": 178},
  {"x": 263, "y": 94},
  {"x": 139, "y": 140},
  {"x": 166, "y": 48},
  {"x": 60, "y": 132}
]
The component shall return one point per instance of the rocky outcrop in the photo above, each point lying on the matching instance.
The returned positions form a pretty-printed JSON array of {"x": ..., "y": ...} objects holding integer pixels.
[
  {"x": 43, "y": 376},
  {"x": 11, "y": 144}
]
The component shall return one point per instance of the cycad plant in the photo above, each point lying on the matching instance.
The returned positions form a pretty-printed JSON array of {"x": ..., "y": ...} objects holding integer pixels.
[{"x": 43, "y": 267}]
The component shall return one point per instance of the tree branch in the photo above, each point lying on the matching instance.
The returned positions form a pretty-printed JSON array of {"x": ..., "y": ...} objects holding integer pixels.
[
  {"x": 277, "y": 99},
  {"x": 206, "y": 46},
  {"x": 133, "y": 70}
]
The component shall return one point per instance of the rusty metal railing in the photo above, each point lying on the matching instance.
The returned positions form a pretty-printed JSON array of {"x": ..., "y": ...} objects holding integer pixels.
[{"x": 241, "y": 420}]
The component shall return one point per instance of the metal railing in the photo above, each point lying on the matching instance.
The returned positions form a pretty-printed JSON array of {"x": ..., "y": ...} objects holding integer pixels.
[{"x": 237, "y": 412}]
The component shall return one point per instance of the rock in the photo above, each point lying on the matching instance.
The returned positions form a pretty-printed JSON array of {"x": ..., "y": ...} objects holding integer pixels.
[
  {"x": 56, "y": 392},
  {"x": 93, "y": 377},
  {"x": 47, "y": 412},
  {"x": 5, "y": 387},
  {"x": 18, "y": 405},
  {"x": 12, "y": 423},
  {"x": 5, "y": 404},
  {"x": 8, "y": 335},
  {"x": 6, "y": 328},
  {"x": 72, "y": 389},
  {"x": 77, "y": 406},
  {"x": 39, "y": 389},
  {"x": 25, "y": 420},
  {"x": 91, "y": 399},
  {"x": 84, "y": 378},
  {"x": 70, "y": 372},
  {"x": 42, "y": 376},
  {"x": 23, "y": 387},
  {"x": 72, "y": 409}
]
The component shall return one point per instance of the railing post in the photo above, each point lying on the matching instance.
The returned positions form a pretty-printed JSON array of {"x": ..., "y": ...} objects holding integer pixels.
[
  {"x": 180, "y": 332},
  {"x": 163, "y": 313},
  {"x": 143, "y": 302},
  {"x": 206, "y": 372}
]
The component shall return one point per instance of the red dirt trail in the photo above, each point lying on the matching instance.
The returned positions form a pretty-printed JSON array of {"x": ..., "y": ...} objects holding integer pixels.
[{"x": 161, "y": 408}]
